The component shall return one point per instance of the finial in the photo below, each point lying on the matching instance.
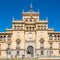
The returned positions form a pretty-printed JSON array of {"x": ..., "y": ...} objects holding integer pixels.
[
  {"x": 38, "y": 11},
  {"x": 46, "y": 18},
  {"x": 13, "y": 18},
  {"x": 23, "y": 11},
  {"x": 31, "y": 8},
  {"x": 31, "y": 5}
]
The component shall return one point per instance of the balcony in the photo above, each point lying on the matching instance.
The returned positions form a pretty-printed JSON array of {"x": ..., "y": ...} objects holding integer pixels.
[
  {"x": 18, "y": 48},
  {"x": 41, "y": 47}
]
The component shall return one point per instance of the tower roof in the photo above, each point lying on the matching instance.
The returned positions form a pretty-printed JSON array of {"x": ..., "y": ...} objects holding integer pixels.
[
  {"x": 31, "y": 12},
  {"x": 31, "y": 8}
]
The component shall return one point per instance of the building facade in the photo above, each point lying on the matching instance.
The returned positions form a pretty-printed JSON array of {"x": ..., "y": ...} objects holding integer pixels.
[{"x": 29, "y": 37}]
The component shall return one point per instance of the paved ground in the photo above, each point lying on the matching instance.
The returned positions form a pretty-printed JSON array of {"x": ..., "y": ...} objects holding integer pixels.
[{"x": 29, "y": 59}]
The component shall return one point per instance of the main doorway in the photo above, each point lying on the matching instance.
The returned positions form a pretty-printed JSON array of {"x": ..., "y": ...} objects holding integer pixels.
[{"x": 30, "y": 51}]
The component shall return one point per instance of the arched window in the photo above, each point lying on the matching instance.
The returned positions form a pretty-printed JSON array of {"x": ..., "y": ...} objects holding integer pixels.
[
  {"x": 42, "y": 45},
  {"x": 26, "y": 20},
  {"x": 17, "y": 52},
  {"x": 50, "y": 45},
  {"x": 30, "y": 27},
  {"x": 27, "y": 27},
  {"x": 33, "y": 27},
  {"x": 41, "y": 27},
  {"x": 59, "y": 45},
  {"x": 21, "y": 27},
  {"x": 8, "y": 51},
  {"x": 9, "y": 37},
  {"x": 58, "y": 37},
  {"x": 55, "y": 37},
  {"x": 38, "y": 27},
  {"x": 0, "y": 38},
  {"x": 4, "y": 38},
  {"x": 44, "y": 26},
  {"x": 30, "y": 20},
  {"x": 50, "y": 37},
  {"x": 9, "y": 45},
  {"x": 59, "y": 51},
  {"x": 0, "y": 49},
  {"x": 18, "y": 44},
  {"x": 42, "y": 52},
  {"x": 15, "y": 27},
  {"x": 18, "y": 27}
]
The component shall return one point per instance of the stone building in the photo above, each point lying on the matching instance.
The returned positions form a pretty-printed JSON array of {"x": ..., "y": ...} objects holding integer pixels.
[{"x": 29, "y": 37}]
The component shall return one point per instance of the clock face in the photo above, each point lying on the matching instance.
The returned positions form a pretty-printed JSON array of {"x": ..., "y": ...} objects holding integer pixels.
[
  {"x": 41, "y": 33},
  {"x": 29, "y": 35}
]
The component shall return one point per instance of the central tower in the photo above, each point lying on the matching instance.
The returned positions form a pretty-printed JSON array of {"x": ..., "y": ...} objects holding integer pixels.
[{"x": 30, "y": 15}]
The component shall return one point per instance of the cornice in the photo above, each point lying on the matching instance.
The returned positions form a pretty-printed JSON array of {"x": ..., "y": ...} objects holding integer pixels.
[
  {"x": 29, "y": 14},
  {"x": 5, "y": 33},
  {"x": 5, "y": 41},
  {"x": 54, "y": 41}
]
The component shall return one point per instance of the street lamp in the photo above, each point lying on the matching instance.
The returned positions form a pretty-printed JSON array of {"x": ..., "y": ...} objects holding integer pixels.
[
  {"x": 7, "y": 53},
  {"x": 47, "y": 50}
]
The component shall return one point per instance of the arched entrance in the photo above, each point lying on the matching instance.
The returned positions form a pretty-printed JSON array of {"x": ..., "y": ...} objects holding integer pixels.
[{"x": 30, "y": 50}]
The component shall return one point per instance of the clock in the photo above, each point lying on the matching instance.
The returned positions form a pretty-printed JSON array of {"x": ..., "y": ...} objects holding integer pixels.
[
  {"x": 41, "y": 33},
  {"x": 30, "y": 35}
]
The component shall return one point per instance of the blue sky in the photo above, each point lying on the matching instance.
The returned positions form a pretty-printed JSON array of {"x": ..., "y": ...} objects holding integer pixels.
[{"x": 10, "y": 8}]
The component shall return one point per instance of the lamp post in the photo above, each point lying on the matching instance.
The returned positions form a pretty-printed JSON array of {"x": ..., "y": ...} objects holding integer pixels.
[
  {"x": 47, "y": 50},
  {"x": 7, "y": 53}
]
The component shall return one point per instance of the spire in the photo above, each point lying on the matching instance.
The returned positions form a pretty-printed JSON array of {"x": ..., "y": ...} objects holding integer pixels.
[
  {"x": 38, "y": 11},
  {"x": 23, "y": 11},
  {"x": 13, "y": 18},
  {"x": 46, "y": 18},
  {"x": 31, "y": 8}
]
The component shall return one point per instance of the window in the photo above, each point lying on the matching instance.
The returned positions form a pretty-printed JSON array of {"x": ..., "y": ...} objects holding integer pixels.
[
  {"x": 9, "y": 46},
  {"x": 0, "y": 53},
  {"x": 50, "y": 45},
  {"x": 38, "y": 27},
  {"x": 30, "y": 20},
  {"x": 58, "y": 37},
  {"x": 41, "y": 27},
  {"x": 18, "y": 45},
  {"x": 9, "y": 52},
  {"x": 15, "y": 27},
  {"x": 55, "y": 37},
  {"x": 21, "y": 27},
  {"x": 42, "y": 52},
  {"x": 9, "y": 37},
  {"x": 59, "y": 51},
  {"x": 17, "y": 52},
  {"x": 44, "y": 26},
  {"x": 50, "y": 37},
  {"x": 4, "y": 38},
  {"x": 8, "y": 49},
  {"x": 18, "y": 27},
  {"x": 30, "y": 27},
  {"x": 0, "y": 46},
  {"x": 59, "y": 45},
  {"x": 0, "y": 38},
  {"x": 26, "y": 20},
  {"x": 27, "y": 27},
  {"x": 42, "y": 45},
  {"x": 33, "y": 27},
  {"x": 51, "y": 52}
]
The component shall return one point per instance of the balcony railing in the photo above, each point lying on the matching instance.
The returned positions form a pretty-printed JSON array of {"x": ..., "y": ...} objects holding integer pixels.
[
  {"x": 17, "y": 48},
  {"x": 41, "y": 47}
]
